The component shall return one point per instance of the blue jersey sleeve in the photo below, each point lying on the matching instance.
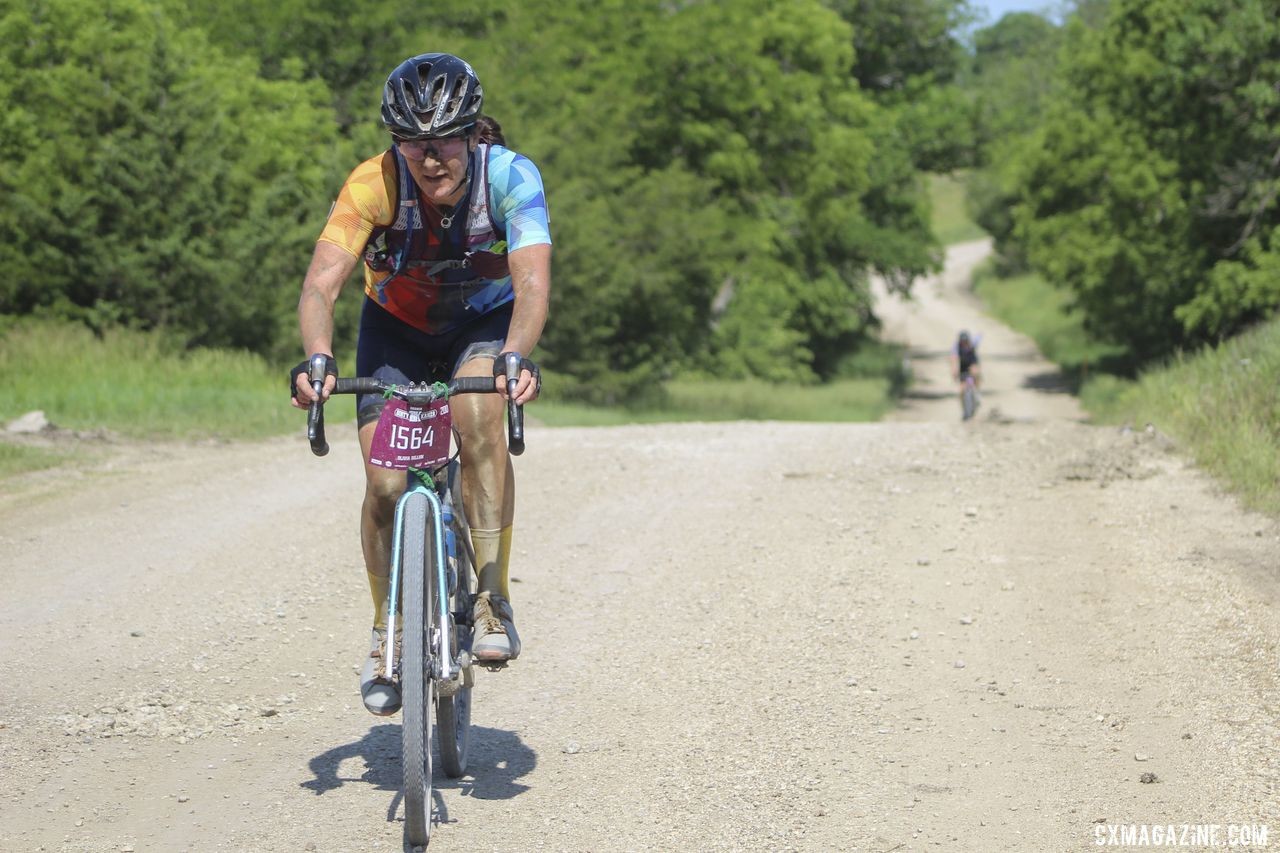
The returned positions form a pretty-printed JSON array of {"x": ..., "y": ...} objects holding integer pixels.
[{"x": 517, "y": 199}]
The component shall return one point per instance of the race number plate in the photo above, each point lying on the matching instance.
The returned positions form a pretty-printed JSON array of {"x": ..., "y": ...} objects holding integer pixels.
[{"x": 411, "y": 436}]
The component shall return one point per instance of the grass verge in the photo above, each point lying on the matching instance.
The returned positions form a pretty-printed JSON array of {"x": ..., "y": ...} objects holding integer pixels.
[
  {"x": 1222, "y": 403},
  {"x": 1031, "y": 305},
  {"x": 723, "y": 400},
  {"x": 144, "y": 386},
  {"x": 15, "y": 459},
  {"x": 139, "y": 385},
  {"x": 951, "y": 222}
]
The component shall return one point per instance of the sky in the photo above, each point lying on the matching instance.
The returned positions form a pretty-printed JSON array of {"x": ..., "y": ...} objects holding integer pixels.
[{"x": 997, "y": 8}]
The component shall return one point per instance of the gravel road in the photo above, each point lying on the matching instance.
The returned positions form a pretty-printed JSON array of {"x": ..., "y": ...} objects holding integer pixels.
[{"x": 1019, "y": 633}]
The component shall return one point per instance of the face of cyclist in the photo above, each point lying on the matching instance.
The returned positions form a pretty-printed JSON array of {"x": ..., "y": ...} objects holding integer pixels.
[{"x": 439, "y": 165}]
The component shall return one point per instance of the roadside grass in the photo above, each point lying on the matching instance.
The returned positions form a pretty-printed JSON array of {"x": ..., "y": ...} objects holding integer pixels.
[
  {"x": 951, "y": 222},
  {"x": 139, "y": 385},
  {"x": 15, "y": 459},
  {"x": 144, "y": 386},
  {"x": 864, "y": 399},
  {"x": 1031, "y": 305},
  {"x": 1222, "y": 403},
  {"x": 867, "y": 383}
]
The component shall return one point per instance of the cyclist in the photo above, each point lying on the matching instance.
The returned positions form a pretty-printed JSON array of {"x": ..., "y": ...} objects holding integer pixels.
[
  {"x": 455, "y": 239},
  {"x": 964, "y": 359}
]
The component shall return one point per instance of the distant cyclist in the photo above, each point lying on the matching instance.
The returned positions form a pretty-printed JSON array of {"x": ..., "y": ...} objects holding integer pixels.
[
  {"x": 453, "y": 232},
  {"x": 964, "y": 360}
]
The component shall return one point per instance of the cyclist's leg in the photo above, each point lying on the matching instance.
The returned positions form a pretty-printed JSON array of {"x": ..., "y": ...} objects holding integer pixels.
[
  {"x": 488, "y": 480},
  {"x": 488, "y": 494},
  {"x": 377, "y": 513},
  {"x": 382, "y": 489},
  {"x": 488, "y": 489},
  {"x": 396, "y": 352}
]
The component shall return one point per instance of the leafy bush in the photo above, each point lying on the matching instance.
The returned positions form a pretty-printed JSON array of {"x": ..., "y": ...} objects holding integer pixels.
[
  {"x": 150, "y": 179},
  {"x": 1150, "y": 190}
]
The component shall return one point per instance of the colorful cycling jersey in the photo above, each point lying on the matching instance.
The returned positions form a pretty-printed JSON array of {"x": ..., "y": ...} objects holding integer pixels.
[{"x": 432, "y": 276}]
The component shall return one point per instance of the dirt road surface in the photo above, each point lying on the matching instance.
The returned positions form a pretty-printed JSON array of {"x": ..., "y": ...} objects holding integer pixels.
[{"x": 1019, "y": 633}]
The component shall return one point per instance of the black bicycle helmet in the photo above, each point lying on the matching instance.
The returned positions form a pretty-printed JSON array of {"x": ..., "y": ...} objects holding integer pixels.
[{"x": 435, "y": 94}]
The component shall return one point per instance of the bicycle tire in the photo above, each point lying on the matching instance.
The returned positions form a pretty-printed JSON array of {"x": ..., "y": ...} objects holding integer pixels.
[
  {"x": 969, "y": 400},
  {"x": 453, "y": 713},
  {"x": 415, "y": 682}
]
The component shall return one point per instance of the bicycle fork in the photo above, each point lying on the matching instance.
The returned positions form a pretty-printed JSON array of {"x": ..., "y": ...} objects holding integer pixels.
[{"x": 442, "y": 663}]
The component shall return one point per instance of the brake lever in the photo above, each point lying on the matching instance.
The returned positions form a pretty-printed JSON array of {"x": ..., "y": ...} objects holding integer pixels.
[
  {"x": 315, "y": 416},
  {"x": 515, "y": 412}
]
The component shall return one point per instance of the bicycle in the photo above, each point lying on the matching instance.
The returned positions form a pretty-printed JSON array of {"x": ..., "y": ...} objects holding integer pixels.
[
  {"x": 431, "y": 554},
  {"x": 969, "y": 397}
]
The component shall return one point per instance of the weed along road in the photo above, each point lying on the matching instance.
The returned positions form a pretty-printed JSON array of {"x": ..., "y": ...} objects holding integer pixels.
[{"x": 1019, "y": 633}]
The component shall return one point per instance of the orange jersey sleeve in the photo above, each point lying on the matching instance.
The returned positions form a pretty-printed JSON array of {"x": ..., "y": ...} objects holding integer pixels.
[{"x": 363, "y": 204}]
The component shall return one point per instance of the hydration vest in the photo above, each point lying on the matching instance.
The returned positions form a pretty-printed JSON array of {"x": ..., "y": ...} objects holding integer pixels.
[{"x": 454, "y": 264}]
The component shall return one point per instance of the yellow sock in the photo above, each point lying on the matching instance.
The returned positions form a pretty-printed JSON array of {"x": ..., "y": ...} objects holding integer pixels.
[
  {"x": 493, "y": 560},
  {"x": 378, "y": 587}
]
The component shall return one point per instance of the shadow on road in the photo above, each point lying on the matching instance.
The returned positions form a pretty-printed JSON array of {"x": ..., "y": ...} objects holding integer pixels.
[
  {"x": 918, "y": 394},
  {"x": 497, "y": 760},
  {"x": 1052, "y": 382},
  {"x": 380, "y": 749}
]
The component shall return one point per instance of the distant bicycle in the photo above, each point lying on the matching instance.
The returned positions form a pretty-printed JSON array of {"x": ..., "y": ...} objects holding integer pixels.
[
  {"x": 431, "y": 575},
  {"x": 965, "y": 369},
  {"x": 970, "y": 399}
]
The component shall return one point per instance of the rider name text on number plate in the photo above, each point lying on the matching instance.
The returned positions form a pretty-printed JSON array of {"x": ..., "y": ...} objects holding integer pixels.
[{"x": 411, "y": 436}]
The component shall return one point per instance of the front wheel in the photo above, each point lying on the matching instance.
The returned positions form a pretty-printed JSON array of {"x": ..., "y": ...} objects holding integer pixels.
[
  {"x": 969, "y": 399},
  {"x": 416, "y": 685}
]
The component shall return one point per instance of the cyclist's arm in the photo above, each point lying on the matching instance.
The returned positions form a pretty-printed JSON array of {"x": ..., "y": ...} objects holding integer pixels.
[
  {"x": 520, "y": 201},
  {"x": 531, "y": 280},
  {"x": 331, "y": 266},
  {"x": 362, "y": 204}
]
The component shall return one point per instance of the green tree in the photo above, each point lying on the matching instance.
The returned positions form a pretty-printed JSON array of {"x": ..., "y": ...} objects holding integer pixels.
[
  {"x": 1013, "y": 78},
  {"x": 350, "y": 46},
  {"x": 1151, "y": 190},
  {"x": 898, "y": 41},
  {"x": 719, "y": 190},
  {"x": 907, "y": 56},
  {"x": 150, "y": 179},
  {"x": 812, "y": 171}
]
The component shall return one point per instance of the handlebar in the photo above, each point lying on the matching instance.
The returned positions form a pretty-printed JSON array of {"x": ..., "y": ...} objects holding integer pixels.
[{"x": 417, "y": 395}]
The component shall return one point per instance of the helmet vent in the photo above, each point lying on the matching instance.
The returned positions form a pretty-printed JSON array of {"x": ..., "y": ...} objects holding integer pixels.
[{"x": 451, "y": 109}]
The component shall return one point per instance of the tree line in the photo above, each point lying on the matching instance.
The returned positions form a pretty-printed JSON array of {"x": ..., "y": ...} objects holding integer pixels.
[
  {"x": 723, "y": 178},
  {"x": 1133, "y": 158}
]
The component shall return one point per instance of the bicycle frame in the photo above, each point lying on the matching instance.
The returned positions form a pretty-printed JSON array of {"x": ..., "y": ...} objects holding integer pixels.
[
  {"x": 448, "y": 676},
  {"x": 442, "y": 667}
]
